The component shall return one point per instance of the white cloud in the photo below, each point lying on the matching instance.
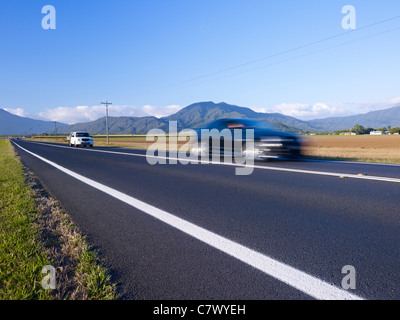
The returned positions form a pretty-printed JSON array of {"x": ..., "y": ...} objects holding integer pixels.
[
  {"x": 293, "y": 109},
  {"x": 365, "y": 107},
  {"x": 173, "y": 108},
  {"x": 160, "y": 112},
  {"x": 72, "y": 115},
  {"x": 321, "y": 110},
  {"x": 149, "y": 110},
  {"x": 260, "y": 109},
  {"x": 394, "y": 101},
  {"x": 79, "y": 114},
  {"x": 303, "y": 111},
  {"x": 18, "y": 112}
]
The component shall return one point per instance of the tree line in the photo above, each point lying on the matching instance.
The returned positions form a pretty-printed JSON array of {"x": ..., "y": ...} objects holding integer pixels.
[{"x": 359, "y": 130}]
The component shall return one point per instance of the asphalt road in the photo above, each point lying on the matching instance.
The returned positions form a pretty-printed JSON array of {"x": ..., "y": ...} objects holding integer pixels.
[{"x": 312, "y": 217}]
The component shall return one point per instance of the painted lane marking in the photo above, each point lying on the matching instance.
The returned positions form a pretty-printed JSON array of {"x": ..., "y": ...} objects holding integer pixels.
[
  {"x": 313, "y": 172},
  {"x": 295, "y": 278}
]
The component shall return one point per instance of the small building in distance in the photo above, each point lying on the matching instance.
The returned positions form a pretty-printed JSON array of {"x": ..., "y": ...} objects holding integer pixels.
[
  {"x": 348, "y": 134},
  {"x": 379, "y": 133}
]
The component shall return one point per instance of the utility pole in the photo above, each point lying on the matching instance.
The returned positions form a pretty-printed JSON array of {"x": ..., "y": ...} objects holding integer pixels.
[
  {"x": 55, "y": 128},
  {"x": 107, "y": 103}
]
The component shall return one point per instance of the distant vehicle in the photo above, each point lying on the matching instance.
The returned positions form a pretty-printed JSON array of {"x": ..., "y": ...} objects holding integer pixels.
[
  {"x": 269, "y": 142},
  {"x": 80, "y": 138}
]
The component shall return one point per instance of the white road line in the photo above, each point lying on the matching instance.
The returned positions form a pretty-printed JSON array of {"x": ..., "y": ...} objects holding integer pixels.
[
  {"x": 295, "y": 278},
  {"x": 313, "y": 172}
]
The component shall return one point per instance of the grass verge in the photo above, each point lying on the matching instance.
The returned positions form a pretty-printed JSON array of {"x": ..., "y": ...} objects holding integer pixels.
[{"x": 35, "y": 232}]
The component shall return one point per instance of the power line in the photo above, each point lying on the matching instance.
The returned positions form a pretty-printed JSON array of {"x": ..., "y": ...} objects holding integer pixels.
[
  {"x": 293, "y": 58},
  {"x": 283, "y": 52}
]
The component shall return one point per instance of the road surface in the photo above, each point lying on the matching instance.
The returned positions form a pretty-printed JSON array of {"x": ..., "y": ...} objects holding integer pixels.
[{"x": 198, "y": 231}]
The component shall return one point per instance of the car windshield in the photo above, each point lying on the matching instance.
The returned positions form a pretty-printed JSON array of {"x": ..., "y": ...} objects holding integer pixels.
[
  {"x": 240, "y": 124},
  {"x": 82, "y": 134}
]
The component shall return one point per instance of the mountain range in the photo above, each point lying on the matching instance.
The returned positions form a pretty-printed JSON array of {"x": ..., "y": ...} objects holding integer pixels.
[
  {"x": 13, "y": 124},
  {"x": 198, "y": 115},
  {"x": 374, "y": 119}
]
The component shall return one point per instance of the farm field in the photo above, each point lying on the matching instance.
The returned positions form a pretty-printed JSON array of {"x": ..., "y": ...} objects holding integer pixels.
[
  {"x": 367, "y": 148},
  {"x": 355, "y": 148}
]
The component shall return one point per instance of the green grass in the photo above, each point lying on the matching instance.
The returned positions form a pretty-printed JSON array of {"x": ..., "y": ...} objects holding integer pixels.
[
  {"x": 34, "y": 232},
  {"x": 21, "y": 257}
]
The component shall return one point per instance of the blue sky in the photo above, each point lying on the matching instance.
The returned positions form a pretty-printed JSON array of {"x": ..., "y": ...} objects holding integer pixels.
[{"x": 157, "y": 56}]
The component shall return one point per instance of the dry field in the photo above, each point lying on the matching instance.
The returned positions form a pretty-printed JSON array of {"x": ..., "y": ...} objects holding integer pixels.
[{"x": 359, "y": 148}]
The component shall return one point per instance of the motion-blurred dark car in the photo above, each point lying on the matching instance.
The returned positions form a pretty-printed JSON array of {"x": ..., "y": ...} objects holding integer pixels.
[{"x": 269, "y": 141}]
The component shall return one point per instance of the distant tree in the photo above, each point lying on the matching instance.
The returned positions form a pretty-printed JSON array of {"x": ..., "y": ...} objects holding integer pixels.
[
  {"x": 394, "y": 130},
  {"x": 358, "y": 129}
]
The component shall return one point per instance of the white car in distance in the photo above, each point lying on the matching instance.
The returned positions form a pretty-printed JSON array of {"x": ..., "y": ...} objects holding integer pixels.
[{"x": 80, "y": 138}]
